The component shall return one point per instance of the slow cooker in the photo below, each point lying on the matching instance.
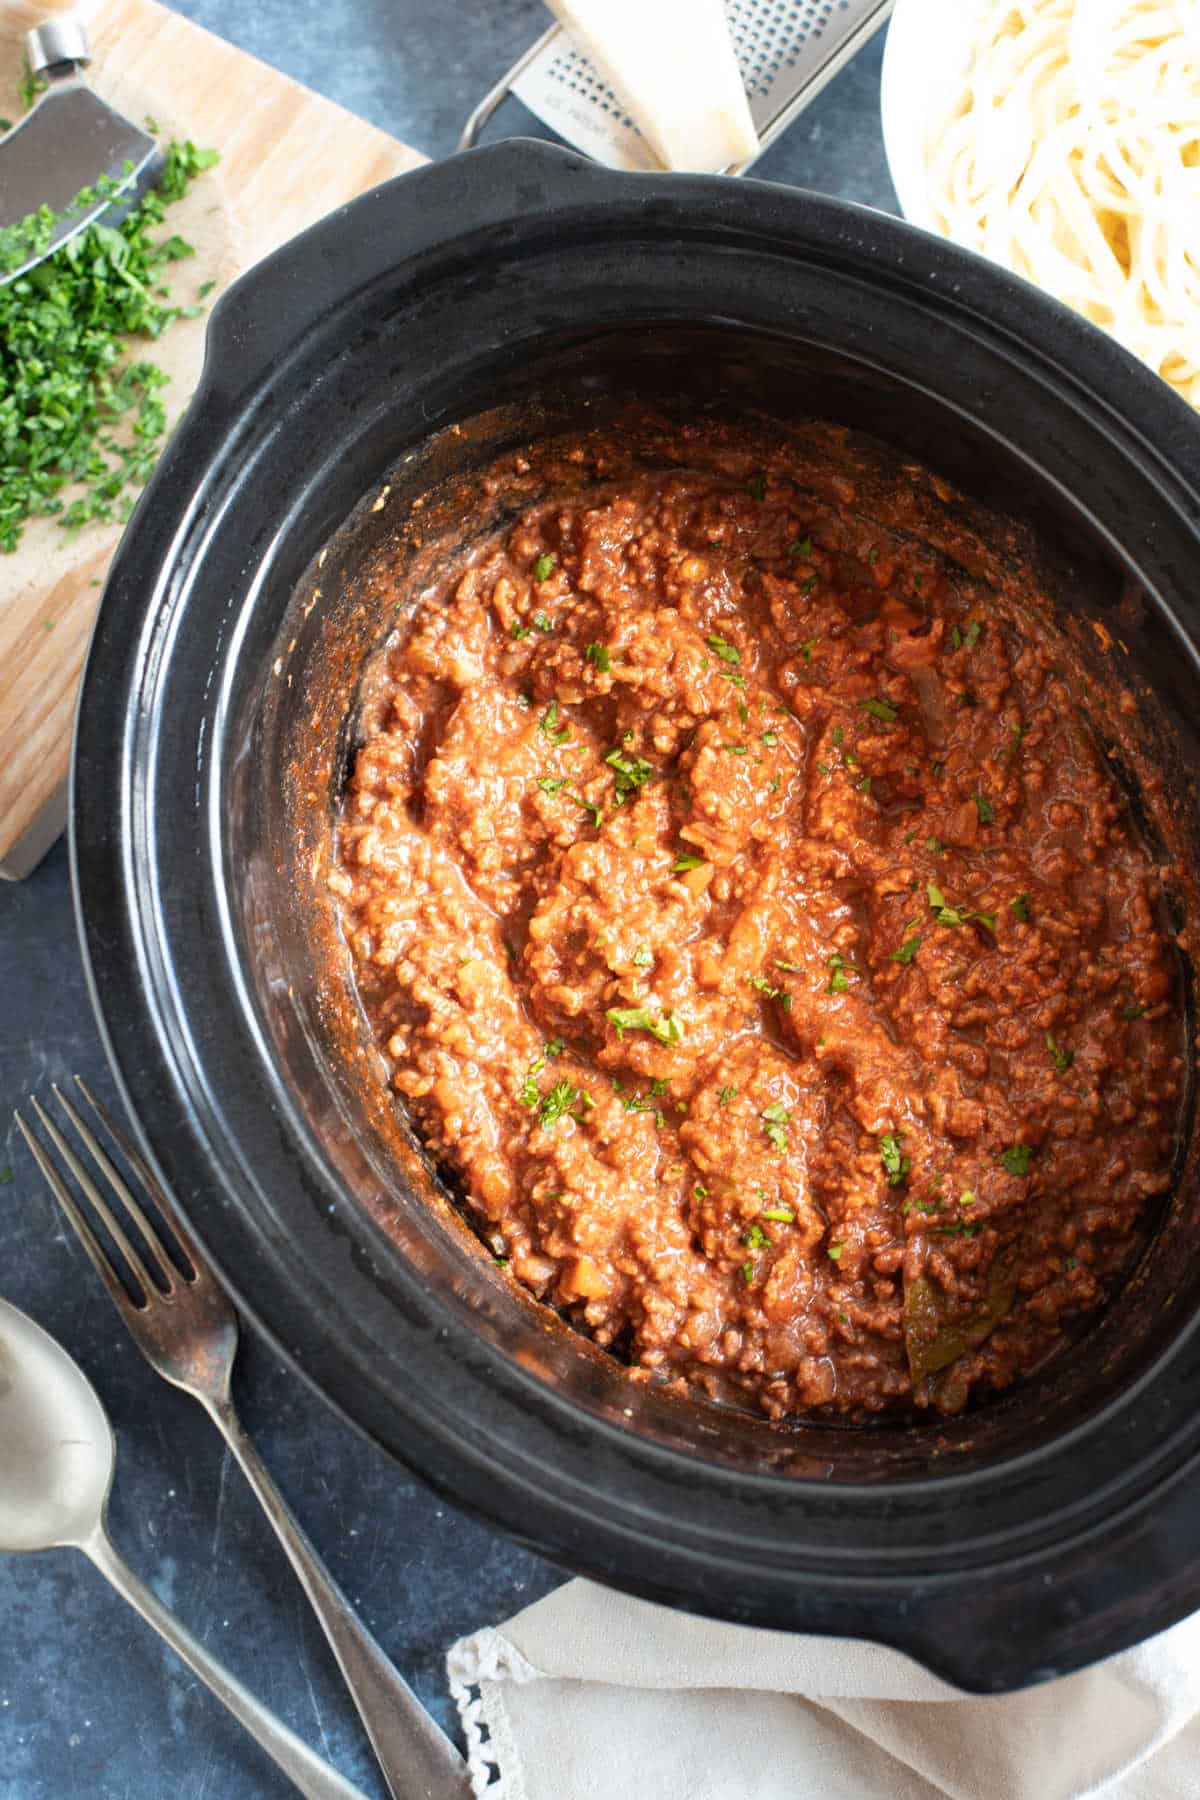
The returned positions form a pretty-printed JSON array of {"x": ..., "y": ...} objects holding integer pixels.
[{"x": 376, "y": 361}]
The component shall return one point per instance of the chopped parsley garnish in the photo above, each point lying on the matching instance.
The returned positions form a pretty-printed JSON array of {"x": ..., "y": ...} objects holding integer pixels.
[
  {"x": 802, "y": 547},
  {"x": 663, "y": 1026},
  {"x": 1019, "y": 908},
  {"x": 726, "y": 1095},
  {"x": 543, "y": 568},
  {"x": 564, "y": 1099},
  {"x": 643, "y": 957},
  {"x": 968, "y": 638},
  {"x": 747, "y": 1272},
  {"x": 775, "y": 1119},
  {"x": 548, "y": 725},
  {"x": 806, "y": 649},
  {"x": 743, "y": 712},
  {"x": 1018, "y": 737},
  {"x": 542, "y": 622},
  {"x": 647, "y": 1103},
  {"x": 840, "y": 973},
  {"x": 985, "y": 809},
  {"x": 530, "y": 1093},
  {"x": 629, "y": 773},
  {"x": 736, "y": 749},
  {"x": 779, "y": 1215},
  {"x": 955, "y": 915},
  {"x": 935, "y": 846},
  {"x": 521, "y": 631},
  {"x": 756, "y": 487},
  {"x": 755, "y": 1238},
  {"x": 792, "y": 968},
  {"x": 880, "y": 709},
  {"x": 685, "y": 860},
  {"x": 823, "y": 767},
  {"x": 553, "y": 784},
  {"x": 863, "y": 786},
  {"x": 1062, "y": 1059},
  {"x": 907, "y": 950},
  {"x": 1132, "y": 1012},
  {"x": 700, "y": 1192},
  {"x": 598, "y": 655},
  {"x": 897, "y": 1166},
  {"x": 763, "y": 986},
  {"x": 1016, "y": 1159},
  {"x": 721, "y": 647},
  {"x": 770, "y": 739},
  {"x": 834, "y": 1252},
  {"x": 808, "y": 584}
]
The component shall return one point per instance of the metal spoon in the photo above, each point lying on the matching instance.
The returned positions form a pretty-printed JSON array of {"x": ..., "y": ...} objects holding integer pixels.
[{"x": 55, "y": 1475}]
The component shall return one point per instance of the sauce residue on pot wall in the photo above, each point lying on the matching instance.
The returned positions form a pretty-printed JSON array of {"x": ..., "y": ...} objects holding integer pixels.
[{"x": 748, "y": 917}]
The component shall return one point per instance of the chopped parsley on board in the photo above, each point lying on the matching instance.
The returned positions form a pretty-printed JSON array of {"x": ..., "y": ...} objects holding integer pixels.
[{"x": 80, "y": 405}]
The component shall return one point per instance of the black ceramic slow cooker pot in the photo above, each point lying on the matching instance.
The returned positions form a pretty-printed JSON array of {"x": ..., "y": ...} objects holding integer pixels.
[{"x": 509, "y": 291}]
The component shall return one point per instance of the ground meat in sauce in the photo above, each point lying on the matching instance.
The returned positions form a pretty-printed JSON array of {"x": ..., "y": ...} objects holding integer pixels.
[{"x": 750, "y": 921}]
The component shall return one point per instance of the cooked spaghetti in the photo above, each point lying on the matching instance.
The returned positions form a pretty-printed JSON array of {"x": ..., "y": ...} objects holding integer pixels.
[{"x": 1072, "y": 155}]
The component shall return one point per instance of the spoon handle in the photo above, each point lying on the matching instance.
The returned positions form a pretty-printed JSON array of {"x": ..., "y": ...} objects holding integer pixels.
[
  {"x": 302, "y": 1766},
  {"x": 416, "y": 1756}
]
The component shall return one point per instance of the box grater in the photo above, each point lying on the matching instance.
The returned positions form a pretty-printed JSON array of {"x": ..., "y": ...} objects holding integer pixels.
[{"x": 787, "y": 51}]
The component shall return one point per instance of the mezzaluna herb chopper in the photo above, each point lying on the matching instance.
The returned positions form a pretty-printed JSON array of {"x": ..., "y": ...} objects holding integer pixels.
[{"x": 72, "y": 154}]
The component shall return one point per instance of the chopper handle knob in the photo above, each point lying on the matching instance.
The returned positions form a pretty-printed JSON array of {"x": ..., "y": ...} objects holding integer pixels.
[{"x": 57, "y": 48}]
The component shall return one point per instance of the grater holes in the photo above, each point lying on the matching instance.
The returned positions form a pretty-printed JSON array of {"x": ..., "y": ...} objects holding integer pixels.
[
  {"x": 573, "y": 71},
  {"x": 770, "y": 35},
  {"x": 772, "y": 40}
]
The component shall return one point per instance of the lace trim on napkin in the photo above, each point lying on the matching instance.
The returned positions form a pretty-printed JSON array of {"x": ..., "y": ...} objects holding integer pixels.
[{"x": 492, "y": 1756}]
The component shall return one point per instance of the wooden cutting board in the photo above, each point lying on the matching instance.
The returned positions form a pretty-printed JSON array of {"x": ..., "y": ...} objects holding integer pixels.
[{"x": 287, "y": 158}]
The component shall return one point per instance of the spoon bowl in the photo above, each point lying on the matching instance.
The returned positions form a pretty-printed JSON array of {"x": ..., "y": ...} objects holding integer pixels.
[
  {"x": 57, "y": 1454},
  {"x": 59, "y": 1449}
]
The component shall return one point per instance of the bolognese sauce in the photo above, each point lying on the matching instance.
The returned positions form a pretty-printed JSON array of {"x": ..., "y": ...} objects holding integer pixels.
[{"x": 749, "y": 918}]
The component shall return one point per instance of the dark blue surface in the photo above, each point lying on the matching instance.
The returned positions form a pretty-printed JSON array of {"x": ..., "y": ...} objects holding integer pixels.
[{"x": 92, "y": 1706}]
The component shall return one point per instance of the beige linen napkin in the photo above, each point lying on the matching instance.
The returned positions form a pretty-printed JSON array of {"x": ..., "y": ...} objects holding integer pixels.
[{"x": 591, "y": 1695}]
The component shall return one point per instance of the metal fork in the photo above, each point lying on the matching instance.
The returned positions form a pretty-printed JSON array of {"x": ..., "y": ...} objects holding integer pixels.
[{"x": 187, "y": 1329}]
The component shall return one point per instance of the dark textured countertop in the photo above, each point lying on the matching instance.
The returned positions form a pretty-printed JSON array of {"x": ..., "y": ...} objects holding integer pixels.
[{"x": 92, "y": 1706}]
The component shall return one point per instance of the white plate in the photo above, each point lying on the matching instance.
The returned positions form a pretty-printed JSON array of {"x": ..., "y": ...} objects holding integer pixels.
[{"x": 926, "y": 56}]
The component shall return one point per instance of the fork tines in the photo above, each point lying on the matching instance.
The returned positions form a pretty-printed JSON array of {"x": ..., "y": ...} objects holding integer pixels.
[{"x": 145, "y": 1285}]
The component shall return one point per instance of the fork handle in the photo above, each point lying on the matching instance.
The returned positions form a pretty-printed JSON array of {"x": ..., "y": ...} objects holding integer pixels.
[
  {"x": 303, "y": 1767},
  {"x": 417, "y": 1759}
]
